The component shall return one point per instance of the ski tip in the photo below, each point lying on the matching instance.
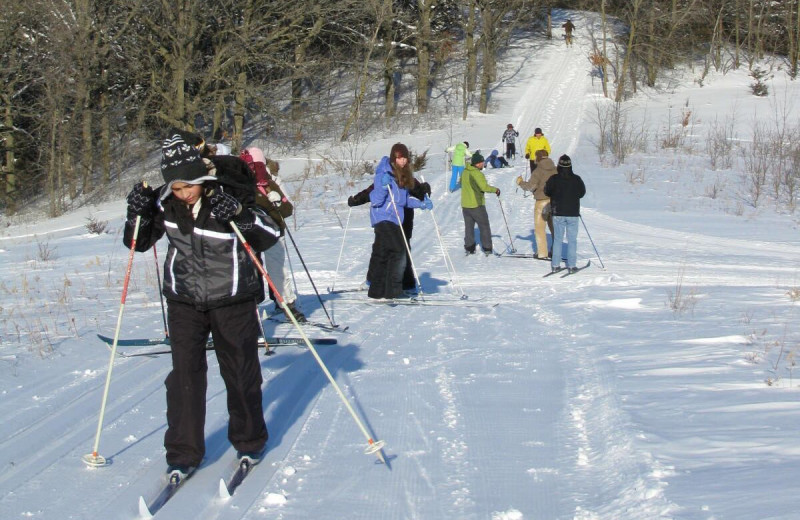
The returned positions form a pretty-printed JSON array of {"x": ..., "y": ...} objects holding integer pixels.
[
  {"x": 144, "y": 511},
  {"x": 224, "y": 494}
]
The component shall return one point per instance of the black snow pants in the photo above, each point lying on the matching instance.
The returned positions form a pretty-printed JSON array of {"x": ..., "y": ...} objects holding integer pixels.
[
  {"x": 388, "y": 262},
  {"x": 235, "y": 330}
]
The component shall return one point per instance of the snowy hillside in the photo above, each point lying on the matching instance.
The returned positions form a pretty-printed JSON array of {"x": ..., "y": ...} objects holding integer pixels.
[{"x": 634, "y": 391}]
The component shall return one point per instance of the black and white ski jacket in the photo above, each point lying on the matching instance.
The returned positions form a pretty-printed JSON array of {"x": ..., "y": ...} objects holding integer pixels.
[{"x": 206, "y": 265}]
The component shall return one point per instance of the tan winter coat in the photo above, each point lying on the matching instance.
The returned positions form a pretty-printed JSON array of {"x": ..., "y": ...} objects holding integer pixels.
[{"x": 545, "y": 169}]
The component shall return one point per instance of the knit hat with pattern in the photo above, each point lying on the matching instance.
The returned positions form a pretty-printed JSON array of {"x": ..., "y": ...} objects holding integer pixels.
[{"x": 181, "y": 162}]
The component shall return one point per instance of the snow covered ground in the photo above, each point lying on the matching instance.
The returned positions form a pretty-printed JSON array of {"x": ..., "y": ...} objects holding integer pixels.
[{"x": 637, "y": 391}]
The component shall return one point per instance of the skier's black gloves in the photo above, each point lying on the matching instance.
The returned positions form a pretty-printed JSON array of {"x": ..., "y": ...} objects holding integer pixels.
[
  {"x": 141, "y": 200},
  {"x": 224, "y": 206},
  {"x": 426, "y": 188},
  {"x": 141, "y": 203},
  {"x": 245, "y": 220},
  {"x": 527, "y": 156},
  {"x": 497, "y": 192},
  {"x": 351, "y": 201}
]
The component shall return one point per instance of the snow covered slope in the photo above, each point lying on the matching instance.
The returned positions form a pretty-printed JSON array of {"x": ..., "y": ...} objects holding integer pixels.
[{"x": 585, "y": 397}]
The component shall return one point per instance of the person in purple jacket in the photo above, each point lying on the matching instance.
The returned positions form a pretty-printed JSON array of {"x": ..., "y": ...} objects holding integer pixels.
[{"x": 388, "y": 199}]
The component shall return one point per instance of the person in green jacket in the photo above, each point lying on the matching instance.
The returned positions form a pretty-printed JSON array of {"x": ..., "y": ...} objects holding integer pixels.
[
  {"x": 460, "y": 153},
  {"x": 473, "y": 205}
]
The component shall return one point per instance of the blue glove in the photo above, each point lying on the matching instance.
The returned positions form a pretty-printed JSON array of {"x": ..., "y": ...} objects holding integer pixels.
[
  {"x": 386, "y": 179},
  {"x": 427, "y": 203}
]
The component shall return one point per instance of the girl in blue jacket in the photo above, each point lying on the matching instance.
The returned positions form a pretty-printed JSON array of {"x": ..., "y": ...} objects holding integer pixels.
[{"x": 388, "y": 199}]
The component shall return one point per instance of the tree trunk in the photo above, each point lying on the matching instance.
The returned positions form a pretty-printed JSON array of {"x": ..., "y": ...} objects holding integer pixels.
[
  {"x": 9, "y": 170},
  {"x": 471, "y": 48},
  {"x": 52, "y": 174},
  {"x": 389, "y": 63},
  {"x": 300, "y": 52},
  {"x": 362, "y": 79},
  {"x": 737, "y": 38},
  {"x": 105, "y": 139},
  {"x": 628, "y": 53},
  {"x": 239, "y": 100},
  {"x": 795, "y": 42},
  {"x": 651, "y": 53},
  {"x": 488, "y": 62},
  {"x": 549, "y": 23},
  {"x": 423, "y": 54},
  {"x": 218, "y": 116},
  {"x": 87, "y": 148}
]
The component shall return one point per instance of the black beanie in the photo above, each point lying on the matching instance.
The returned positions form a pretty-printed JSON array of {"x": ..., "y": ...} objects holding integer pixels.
[
  {"x": 181, "y": 162},
  {"x": 476, "y": 159},
  {"x": 564, "y": 161},
  {"x": 538, "y": 131}
]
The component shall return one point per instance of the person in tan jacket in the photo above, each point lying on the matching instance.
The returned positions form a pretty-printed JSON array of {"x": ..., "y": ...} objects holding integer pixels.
[{"x": 545, "y": 168}]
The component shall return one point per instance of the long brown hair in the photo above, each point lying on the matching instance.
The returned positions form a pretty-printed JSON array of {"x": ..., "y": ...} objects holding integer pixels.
[{"x": 404, "y": 175}]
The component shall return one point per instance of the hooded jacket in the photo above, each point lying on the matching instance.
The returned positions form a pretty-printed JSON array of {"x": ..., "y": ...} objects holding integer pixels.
[
  {"x": 510, "y": 135},
  {"x": 460, "y": 154},
  {"x": 545, "y": 169},
  {"x": 473, "y": 186},
  {"x": 382, "y": 207},
  {"x": 494, "y": 159},
  {"x": 536, "y": 143},
  {"x": 206, "y": 266},
  {"x": 565, "y": 190}
]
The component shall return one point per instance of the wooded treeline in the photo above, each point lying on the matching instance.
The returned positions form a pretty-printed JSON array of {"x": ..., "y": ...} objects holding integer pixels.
[{"x": 88, "y": 84}]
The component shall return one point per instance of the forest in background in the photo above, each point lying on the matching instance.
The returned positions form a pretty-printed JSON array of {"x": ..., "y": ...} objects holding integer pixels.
[{"x": 89, "y": 87}]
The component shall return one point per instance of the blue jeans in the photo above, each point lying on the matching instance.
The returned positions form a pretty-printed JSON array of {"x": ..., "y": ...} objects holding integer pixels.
[
  {"x": 568, "y": 225},
  {"x": 455, "y": 179}
]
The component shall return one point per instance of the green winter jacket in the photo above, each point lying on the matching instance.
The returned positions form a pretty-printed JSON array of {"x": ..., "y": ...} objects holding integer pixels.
[
  {"x": 460, "y": 153},
  {"x": 473, "y": 186}
]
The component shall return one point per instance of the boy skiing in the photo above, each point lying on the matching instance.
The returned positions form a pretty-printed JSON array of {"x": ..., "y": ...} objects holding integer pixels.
[
  {"x": 510, "y": 137},
  {"x": 568, "y": 28},
  {"x": 473, "y": 206}
]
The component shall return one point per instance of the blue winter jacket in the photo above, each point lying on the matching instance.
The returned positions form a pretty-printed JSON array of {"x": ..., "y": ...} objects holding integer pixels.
[
  {"x": 381, "y": 208},
  {"x": 494, "y": 160}
]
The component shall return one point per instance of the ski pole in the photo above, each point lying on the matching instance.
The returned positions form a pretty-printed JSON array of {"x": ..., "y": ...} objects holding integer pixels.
[
  {"x": 297, "y": 250},
  {"x": 94, "y": 458},
  {"x": 513, "y": 250},
  {"x": 448, "y": 262},
  {"x": 592, "y": 241},
  {"x": 341, "y": 250},
  {"x": 267, "y": 351},
  {"x": 161, "y": 294},
  {"x": 405, "y": 242},
  {"x": 374, "y": 447}
]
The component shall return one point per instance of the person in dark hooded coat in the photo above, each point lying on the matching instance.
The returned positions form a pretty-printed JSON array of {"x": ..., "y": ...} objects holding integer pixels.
[
  {"x": 211, "y": 287},
  {"x": 565, "y": 189}
]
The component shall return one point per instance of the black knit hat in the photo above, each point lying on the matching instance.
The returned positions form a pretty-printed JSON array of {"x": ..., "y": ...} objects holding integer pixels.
[
  {"x": 538, "y": 131},
  {"x": 564, "y": 161},
  {"x": 476, "y": 159},
  {"x": 181, "y": 162}
]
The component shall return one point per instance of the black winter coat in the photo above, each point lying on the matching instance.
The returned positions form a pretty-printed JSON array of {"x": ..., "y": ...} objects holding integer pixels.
[
  {"x": 206, "y": 266},
  {"x": 565, "y": 190}
]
